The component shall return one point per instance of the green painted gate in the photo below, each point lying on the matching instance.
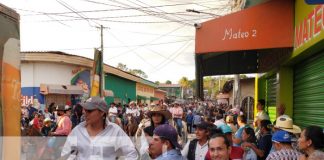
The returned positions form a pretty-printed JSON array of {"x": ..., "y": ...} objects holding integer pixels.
[
  {"x": 124, "y": 89},
  {"x": 271, "y": 96},
  {"x": 309, "y": 92}
]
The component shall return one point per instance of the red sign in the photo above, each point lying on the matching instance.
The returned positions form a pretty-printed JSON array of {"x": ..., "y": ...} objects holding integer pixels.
[{"x": 268, "y": 25}]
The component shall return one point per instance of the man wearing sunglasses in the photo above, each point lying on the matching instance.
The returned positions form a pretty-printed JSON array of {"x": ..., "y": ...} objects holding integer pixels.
[{"x": 96, "y": 138}]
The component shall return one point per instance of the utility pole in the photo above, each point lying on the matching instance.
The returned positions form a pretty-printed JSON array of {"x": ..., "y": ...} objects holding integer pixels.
[{"x": 102, "y": 74}]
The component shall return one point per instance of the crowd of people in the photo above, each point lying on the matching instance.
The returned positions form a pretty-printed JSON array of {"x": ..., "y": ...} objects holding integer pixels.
[{"x": 220, "y": 132}]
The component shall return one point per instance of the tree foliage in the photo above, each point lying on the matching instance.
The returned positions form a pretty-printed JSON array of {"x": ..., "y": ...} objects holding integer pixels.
[
  {"x": 136, "y": 72},
  {"x": 168, "y": 82},
  {"x": 184, "y": 82}
]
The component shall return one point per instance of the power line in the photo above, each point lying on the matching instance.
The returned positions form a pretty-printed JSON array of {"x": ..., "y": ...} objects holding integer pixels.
[
  {"x": 105, "y": 10},
  {"x": 176, "y": 55},
  {"x": 161, "y": 10},
  {"x": 73, "y": 10},
  {"x": 147, "y": 12},
  {"x": 126, "y": 52},
  {"x": 123, "y": 46},
  {"x": 143, "y": 59},
  {"x": 125, "y": 16},
  {"x": 164, "y": 56},
  {"x": 126, "y": 21}
]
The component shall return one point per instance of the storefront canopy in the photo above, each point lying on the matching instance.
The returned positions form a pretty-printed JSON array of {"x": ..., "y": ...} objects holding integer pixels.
[
  {"x": 141, "y": 97},
  {"x": 154, "y": 99},
  {"x": 60, "y": 89},
  {"x": 232, "y": 44}
]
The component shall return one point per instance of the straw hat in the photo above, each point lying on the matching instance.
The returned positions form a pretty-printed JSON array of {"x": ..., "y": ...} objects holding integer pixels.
[
  {"x": 286, "y": 123},
  {"x": 159, "y": 110}
]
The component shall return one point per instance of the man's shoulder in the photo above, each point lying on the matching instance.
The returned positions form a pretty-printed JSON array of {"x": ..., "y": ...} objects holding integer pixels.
[{"x": 171, "y": 155}]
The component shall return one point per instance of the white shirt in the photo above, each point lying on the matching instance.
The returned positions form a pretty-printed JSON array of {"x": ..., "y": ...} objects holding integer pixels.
[
  {"x": 108, "y": 144},
  {"x": 48, "y": 115},
  {"x": 200, "y": 152},
  {"x": 133, "y": 111},
  {"x": 113, "y": 111},
  {"x": 219, "y": 123}
]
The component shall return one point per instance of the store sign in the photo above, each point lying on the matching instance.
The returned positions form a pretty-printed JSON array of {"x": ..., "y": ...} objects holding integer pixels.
[
  {"x": 268, "y": 25},
  {"x": 309, "y": 26},
  {"x": 26, "y": 100}
]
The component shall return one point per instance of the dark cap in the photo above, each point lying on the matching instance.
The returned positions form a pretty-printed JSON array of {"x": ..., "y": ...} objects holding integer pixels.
[
  {"x": 166, "y": 131},
  {"x": 203, "y": 125},
  {"x": 95, "y": 103}
]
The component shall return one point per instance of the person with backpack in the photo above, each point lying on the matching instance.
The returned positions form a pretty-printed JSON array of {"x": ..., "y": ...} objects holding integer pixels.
[{"x": 197, "y": 148}]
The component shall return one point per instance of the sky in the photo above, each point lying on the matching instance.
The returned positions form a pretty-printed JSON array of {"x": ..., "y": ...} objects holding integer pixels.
[{"x": 156, "y": 36}]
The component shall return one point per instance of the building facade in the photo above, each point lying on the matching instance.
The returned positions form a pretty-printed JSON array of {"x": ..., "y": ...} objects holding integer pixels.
[
  {"x": 174, "y": 91},
  {"x": 60, "y": 78}
]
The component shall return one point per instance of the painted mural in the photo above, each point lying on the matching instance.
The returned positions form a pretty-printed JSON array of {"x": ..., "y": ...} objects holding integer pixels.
[
  {"x": 81, "y": 78},
  {"x": 32, "y": 96}
]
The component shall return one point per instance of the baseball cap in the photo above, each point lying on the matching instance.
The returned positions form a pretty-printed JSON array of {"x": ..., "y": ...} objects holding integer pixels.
[
  {"x": 166, "y": 131},
  {"x": 226, "y": 129},
  {"x": 95, "y": 103},
  {"x": 281, "y": 136}
]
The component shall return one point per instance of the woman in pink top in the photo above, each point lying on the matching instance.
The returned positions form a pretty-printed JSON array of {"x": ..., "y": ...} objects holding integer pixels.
[{"x": 64, "y": 124}]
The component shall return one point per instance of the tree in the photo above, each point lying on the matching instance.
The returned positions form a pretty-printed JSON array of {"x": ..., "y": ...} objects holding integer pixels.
[
  {"x": 157, "y": 82},
  {"x": 122, "y": 67},
  {"x": 184, "y": 82},
  {"x": 136, "y": 72},
  {"x": 168, "y": 82}
]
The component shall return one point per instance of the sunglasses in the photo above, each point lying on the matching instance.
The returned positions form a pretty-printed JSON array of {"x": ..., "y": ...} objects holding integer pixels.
[{"x": 89, "y": 111}]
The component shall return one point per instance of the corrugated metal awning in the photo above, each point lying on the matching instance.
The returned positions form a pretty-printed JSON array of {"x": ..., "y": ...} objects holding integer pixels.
[{"x": 60, "y": 89}]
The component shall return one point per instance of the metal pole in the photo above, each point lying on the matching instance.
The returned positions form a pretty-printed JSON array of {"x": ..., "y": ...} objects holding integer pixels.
[{"x": 102, "y": 76}]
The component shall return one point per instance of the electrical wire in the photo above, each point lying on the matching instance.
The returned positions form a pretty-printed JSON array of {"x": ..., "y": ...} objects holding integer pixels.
[
  {"x": 159, "y": 37},
  {"x": 105, "y": 10},
  {"x": 174, "y": 57},
  {"x": 73, "y": 10}
]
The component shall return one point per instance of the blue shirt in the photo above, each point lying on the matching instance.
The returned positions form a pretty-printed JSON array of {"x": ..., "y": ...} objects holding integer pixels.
[
  {"x": 171, "y": 155},
  {"x": 238, "y": 134},
  {"x": 189, "y": 118}
]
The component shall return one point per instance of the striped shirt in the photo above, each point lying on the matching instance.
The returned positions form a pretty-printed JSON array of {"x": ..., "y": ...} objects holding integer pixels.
[{"x": 284, "y": 154}]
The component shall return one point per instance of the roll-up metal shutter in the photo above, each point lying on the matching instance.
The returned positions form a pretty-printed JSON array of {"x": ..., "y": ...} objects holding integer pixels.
[
  {"x": 309, "y": 92},
  {"x": 271, "y": 88},
  {"x": 272, "y": 84}
]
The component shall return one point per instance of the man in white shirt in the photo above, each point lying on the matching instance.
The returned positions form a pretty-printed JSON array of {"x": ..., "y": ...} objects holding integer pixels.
[
  {"x": 198, "y": 147},
  {"x": 97, "y": 138},
  {"x": 112, "y": 113},
  {"x": 132, "y": 109}
]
